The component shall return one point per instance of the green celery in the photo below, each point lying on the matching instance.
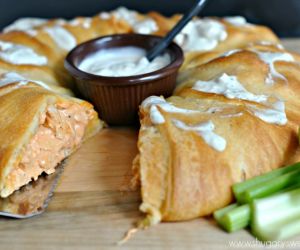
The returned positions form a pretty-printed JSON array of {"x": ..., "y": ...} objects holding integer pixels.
[
  {"x": 290, "y": 188},
  {"x": 276, "y": 217},
  {"x": 240, "y": 188},
  {"x": 271, "y": 187},
  {"x": 218, "y": 214},
  {"x": 233, "y": 217}
]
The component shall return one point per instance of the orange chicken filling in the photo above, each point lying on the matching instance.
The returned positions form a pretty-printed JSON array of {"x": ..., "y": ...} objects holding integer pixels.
[{"x": 61, "y": 130}]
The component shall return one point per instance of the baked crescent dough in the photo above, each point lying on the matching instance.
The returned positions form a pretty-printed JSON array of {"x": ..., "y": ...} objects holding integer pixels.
[
  {"x": 52, "y": 39},
  {"x": 181, "y": 176},
  {"x": 230, "y": 119}
]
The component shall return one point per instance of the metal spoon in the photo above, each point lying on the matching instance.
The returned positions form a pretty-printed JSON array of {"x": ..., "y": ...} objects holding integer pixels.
[{"x": 164, "y": 43}]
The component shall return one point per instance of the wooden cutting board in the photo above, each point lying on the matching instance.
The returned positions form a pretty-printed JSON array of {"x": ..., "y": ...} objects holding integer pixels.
[{"x": 88, "y": 211}]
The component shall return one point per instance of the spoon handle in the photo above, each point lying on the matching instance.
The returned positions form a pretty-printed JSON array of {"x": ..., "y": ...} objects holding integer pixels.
[{"x": 161, "y": 46}]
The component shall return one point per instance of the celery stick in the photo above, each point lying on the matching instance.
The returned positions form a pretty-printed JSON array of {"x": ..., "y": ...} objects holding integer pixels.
[
  {"x": 290, "y": 188},
  {"x": 276, "y": 217},
  {"x": 218, "y": 214},
  {"x": 239, "y": 188},
  {"x": 233, "y": 217},
  {"x": 270, "y": 187}
]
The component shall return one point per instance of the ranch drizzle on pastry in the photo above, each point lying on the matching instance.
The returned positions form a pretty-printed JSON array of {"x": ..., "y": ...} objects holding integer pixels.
[
  {"x": 155, "y": 115},
  {"x": 19, "y": 54},
  {"x": 85, "y": 22},
  {"x": 230, "y": 52},
  {"x": 206, "y": 131},
  {"x": 153, "y": 102},
  {"x": 201, "y": 35},
  {"x": 26, "y": 25},
  {"x": 274, "y": 115},
  {"x": 230, "y": 87},
  {"x": 62, "y": 37},
  {"x": 139, "y": 25},
  {"x": 268, "y": 43},
  {"x": 13, "y": 77},
  {"x": 270, "y": 58},
  {"x": 232, "y": 115},
  {"x": 238, "y": 21}
]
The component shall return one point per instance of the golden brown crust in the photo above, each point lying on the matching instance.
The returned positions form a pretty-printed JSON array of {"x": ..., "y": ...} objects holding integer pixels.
[
  {"x": 238, "y": 38},
  {"x": 83, "y": 29},
  {"x": 243, "y": 64},
  {"x": 182, "y": 177},
  {"x": 179, "y": 179}
]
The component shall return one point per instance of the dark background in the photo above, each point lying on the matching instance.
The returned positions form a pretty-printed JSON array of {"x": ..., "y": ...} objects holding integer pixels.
[{"x": 283, "y": 16}]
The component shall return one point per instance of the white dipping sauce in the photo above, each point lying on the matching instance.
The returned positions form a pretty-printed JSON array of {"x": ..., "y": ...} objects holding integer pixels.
[{"x": 123, "y": 61}]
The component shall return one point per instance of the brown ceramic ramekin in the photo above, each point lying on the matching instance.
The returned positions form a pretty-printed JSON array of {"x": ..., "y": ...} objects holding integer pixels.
[{"x": 117, "y": 98}]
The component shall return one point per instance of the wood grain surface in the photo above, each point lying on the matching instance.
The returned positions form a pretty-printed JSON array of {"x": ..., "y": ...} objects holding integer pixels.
[{"x": 88, "y": 210}]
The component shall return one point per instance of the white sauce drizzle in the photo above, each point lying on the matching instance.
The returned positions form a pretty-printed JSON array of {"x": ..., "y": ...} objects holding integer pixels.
[
  {"x": 270, "y": 58},
  {"x": 237, "y": 21},
  {"x": 232, "y": 115},
  {"x": 61, "y": 21},
  {"x": 26, "y": 25},
  {"x": 13, "y": 77},
  {"x": 104, "y": 15},
  {"x": 230, "y": 87},
  {"x": 141, "y": 26},
  {"x": 63, "y": 38},
  {"x": 268, "y": 43},
  {"x": 166, "y": 106},
  {"x": 231, "y": 52},
  {"x": 20, "y": 54},
  {"x": 31, "y": 32},
  {"x": 155, "y": 116},
  {"x": 274, "y": 115},
  {"x": 85, "y": 23},
  {"x": 201, "y": 35},
  {"x": 9, "y": 78},
  {"x": 206, "y": 131}
]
